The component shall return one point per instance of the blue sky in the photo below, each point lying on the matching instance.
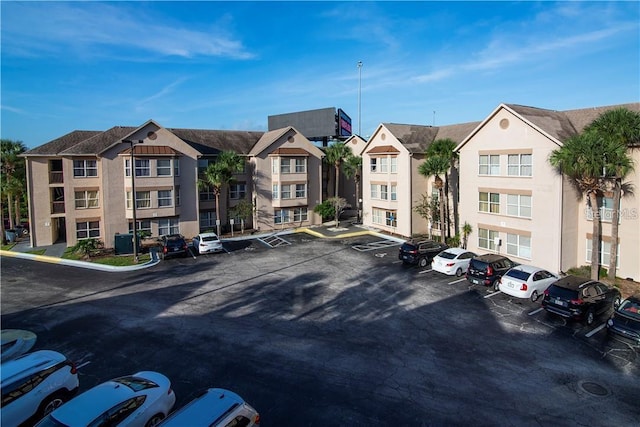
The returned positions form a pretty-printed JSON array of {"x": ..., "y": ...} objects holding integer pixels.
[{"x": 229, "y": 65}]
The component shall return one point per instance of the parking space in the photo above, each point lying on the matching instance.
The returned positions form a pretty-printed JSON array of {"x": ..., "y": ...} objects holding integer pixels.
[{"x": 319, "y": 331}]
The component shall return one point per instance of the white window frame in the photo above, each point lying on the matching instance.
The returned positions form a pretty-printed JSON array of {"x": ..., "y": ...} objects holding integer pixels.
[
  {"x": 377, "y": 216},
  {"x": 285, "y": 166},
  {"x": 490, "y": 165},
  {"x": 143, "y": 199},
  {"x": 163, "y": 167},
  {"x": 275, "y": 165},
  {"x": 281, "y": 216},
  {"x": 301, "y": 191},
  {"x": 301, "y": 165},
  {"x": 85, "y": 168},
  {"x": 487, "y": 239},
  {"x": 384, "y": 192},
  {"x": 605, "y": 253},
  {"x": 207, "y": 219},
  {"x": 88, "y": 199},
  {"x": 375, "y": 191},
  {"x": 519, "y": 205},
  {"x": 384, "y": 165},
  {"x": 393, "y": 164},
  {"x": 176, "y": 167},
  {"x": 520, "y": 165},
  {"x": 275, "y": 192},
  {"x": 300, "y": 214},
  {"x": 206, "y": 194},
  {"x": 165, "y": 198},
  {"x": 394, "y": 192},
  {"x": 519, "y": 245},
  {"x": 285, "y": 191},
  {"x": 373, "y": 164},
  {"x": 237, "y": 191},
  {"x": 388, "y": 221},
  {"x": 87, "y": 230},
  {"x": 168, "y": 226},
  {"x": 490, "y": 205}
]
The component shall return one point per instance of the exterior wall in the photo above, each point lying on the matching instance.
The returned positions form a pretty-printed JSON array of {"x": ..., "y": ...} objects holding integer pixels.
[
  {"x": 263, "y": 180},
  {"x": 42, "y": 229},
  {"x": 502, "y": 135},
  {"x": 419, "y": 186}
]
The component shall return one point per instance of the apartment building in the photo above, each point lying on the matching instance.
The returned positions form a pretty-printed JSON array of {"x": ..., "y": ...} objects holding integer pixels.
[
  {"x": 391, "y": 183},
  {"x": 519, "y": 205},
  {"x": 81, "y": 184}
]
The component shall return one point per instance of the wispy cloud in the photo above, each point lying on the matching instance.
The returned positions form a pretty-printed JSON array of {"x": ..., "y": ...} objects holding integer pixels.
[
  {"x": 12, "y": 109},
  {"x": 163, "y": 92},
  {"x": 98, "y": 29}
]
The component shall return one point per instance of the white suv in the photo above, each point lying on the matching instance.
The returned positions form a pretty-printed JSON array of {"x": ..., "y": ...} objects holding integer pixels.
[
  {"x": 215, "y": 407},
  {"x": 35, "y": 384}
]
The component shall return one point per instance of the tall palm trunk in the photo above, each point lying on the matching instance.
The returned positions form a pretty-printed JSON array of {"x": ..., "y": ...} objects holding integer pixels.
[
  {"x": 440, "y": 186},
  {"x": 615, "y": 220},
  {"x": 337, "y": 166},
  {"x": 596, "y": 237},
  {"x": 359, "y": 214},
  {"x": 10, "y": 210},
  {"x": 216, "y": 193}
]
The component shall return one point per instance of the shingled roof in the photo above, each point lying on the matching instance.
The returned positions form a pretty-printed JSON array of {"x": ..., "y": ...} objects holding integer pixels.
[
  {"x": 99, "y": 142},
  {"x": 58, "y": 145},
  {"x": 215, "y": 141},
  {"x": 415, "y": 138}
]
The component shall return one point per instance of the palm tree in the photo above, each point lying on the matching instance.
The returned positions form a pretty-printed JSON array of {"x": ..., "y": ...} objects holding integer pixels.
[
  {"x": 588, "y": 161},
  {"x": 334, "y": 155},
  {"x": 445, "y": 148},
  {"x": 12, "y": 178},
  {"x": 621, "y": 126},
  {"x": 220, "y": 173},
  {"x": 353, "y": 168},
  {"x": 467, "y": 229},
  {"x": 436, "y": 166}
]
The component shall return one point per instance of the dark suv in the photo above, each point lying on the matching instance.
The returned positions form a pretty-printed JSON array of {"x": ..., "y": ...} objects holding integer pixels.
[
  {"x": 420, "y": 252},
  {"x": 173, "y": 245},
  {"x": 488, "y": 269},
  {"x": 579, "y": 298}
]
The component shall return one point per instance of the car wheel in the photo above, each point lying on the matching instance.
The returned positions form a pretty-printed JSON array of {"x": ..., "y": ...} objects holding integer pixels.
[
  {"x": 155, "y": 420},
  {"x": 423, "y": 262},
  {"x": 51, "y": 403},
  {"x": 591, "y": 317},
  {"x": 458, "y": 272},
  {"x": 496, "y": 285},
  {"x": 534, "y": 296}
]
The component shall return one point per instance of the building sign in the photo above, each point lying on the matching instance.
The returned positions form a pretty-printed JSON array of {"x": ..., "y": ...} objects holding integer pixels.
[{"x": 344, "y": 123}]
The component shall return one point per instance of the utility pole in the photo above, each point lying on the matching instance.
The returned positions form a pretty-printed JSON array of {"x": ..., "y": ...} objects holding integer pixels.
[{"x": 359, "y": 97}]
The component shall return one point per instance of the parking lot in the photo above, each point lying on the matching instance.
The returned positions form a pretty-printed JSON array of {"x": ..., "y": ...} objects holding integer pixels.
[{"x": 329, "y": 332}]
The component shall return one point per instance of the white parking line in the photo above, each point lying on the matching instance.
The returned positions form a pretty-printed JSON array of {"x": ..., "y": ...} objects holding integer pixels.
[
  {"x": 456, "y": 281},
  {"x": 425, "y": 271},
  {"x": 82, "y": 365},
  {"x": 537, "y": 310},
  {"x": 490, "y": 295},
  {"x": 595, "y": 331}
]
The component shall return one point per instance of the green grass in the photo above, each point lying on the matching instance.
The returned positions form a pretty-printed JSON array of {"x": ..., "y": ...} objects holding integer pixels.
[
  {"x": 8, "y": 246},
  {"x": 114, "y": 260},
  {"x": 37, "y": 252}
]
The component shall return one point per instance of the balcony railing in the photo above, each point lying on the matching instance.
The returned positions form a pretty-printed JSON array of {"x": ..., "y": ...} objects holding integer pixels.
[
  {"x": 56, "y": 177},
  {"x": 57, "y": 207}
]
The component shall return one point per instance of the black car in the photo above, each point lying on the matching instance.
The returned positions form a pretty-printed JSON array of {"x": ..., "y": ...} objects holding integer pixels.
[
  {"x": 488, "y": 269},
  {"x": 579, "y": 298},
  {"x": 174, "y": 245},
  {"x": 624, "y": 323},
  {"x": 420, "y": 252}
]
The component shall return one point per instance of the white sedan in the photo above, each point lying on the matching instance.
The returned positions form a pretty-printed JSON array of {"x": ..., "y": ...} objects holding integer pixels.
[
  {"x": 452, "y": 261},
  {"x": 140, "y": 400},
  {"x": 526, "y": 281},
  {"x": 205, "y": 243}
]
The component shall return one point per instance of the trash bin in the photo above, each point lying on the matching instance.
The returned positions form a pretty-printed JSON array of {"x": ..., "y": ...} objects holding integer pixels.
[{"x": 10, "y": 235}]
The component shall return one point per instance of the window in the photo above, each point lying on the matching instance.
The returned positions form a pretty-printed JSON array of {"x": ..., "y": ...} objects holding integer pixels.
[
  {"x": 301, "y": 165},
  {"x": 177, "y": 196},
  {"x": 377, "y": 216},
  {"x": 384, "y": 164},
  {"x": 285, "y": 165},
  {"x": 374, "y": 164},
  {"x": 143, "y": 199},
  {"x": 275, "y": 165},
  {"x": 281, "y": 216},
  {"x": 518, "y": 245},
  {"x": 176, "y": 167},
  {"x": 88, "y": 229},
  {"x": 300, "y": 214},
  {"x": 384, "y": 192},
  {"x": 391, "y": 218},
  {"x": 203, "y": 164},
  {"x": 394, "y": 164},
  {"x": 85, "y": 168},
  {"x": 374, "y": 191},
  {"x": 605, "y": 253},
  {"x": 238, "y": 191},
  {"x": 86, "y": 199},
  {"x": 274, "y": 192},
  {"x": 285, "y": 191},
  {"x": 301, "y": 191},
  {"x": 489, "y": 165},
  {"x": 207, "y": 219},
  {"x": 165, "y": 198},
  {"x": 519, "y": 165},
  {"x": 142, "y": 167},
  {"x": 169, "y": 226},
  {"x": 486, "y": 239},
  {"x": 606, "y": 209},
  {"x": 207, "y": 194},
  {"x": 394, "y": 192},
  {"x": 489, "y": 202},
  {"x": 142, "y": 226},
  {"x": 163, "y": 167},
  {"x": 519, "y": 205}
]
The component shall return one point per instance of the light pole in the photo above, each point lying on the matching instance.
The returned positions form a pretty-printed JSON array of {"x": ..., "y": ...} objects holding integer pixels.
[
  {"x": 132, "y": 168},
  {"x": 359, "y": 97}
]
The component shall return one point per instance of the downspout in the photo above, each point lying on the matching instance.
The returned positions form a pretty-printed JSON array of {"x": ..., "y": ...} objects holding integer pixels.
[
  {"x": 32, "y": 227},
  {"x": 410, "y": 194}
]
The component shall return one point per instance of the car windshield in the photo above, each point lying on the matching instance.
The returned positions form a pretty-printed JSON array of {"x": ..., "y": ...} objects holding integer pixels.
[
  {"x": 478, "y": 265},
  {"x": 209, "y": 239},
  {"x": 408, "y": 247},
  {"x": 136, "y": 383},
  {"x": 518, "y": 274},
  {"x": 446, "y": 255},
  {"x": 630, "y": 308}
]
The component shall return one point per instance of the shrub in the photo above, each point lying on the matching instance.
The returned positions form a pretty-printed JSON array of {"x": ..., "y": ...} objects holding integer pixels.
[{"x": 326, "y": 210}]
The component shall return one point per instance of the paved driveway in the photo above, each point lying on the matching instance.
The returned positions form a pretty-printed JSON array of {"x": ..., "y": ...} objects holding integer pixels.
[{"x": 319, "y": 333}]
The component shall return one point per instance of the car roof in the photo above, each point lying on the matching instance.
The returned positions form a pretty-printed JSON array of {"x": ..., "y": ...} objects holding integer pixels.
[
  {"x": 456, "y": 251},
  {"x": 30, "y": 363},
  {"x": 208, "y": 235},
  {"x": 527, "y": 268},
  {"x": 490, "y": 257},
  {"x": 205, "y": 409},
  {"x": 573, "y": 282}
]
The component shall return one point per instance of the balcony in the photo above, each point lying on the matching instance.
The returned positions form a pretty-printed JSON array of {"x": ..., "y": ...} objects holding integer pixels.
[
  {"x": 56, "y": 177},
  {"x": 57, "y": 207}
]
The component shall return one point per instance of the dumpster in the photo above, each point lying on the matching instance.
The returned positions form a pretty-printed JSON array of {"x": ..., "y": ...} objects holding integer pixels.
[{"x": 10, "y": 235}]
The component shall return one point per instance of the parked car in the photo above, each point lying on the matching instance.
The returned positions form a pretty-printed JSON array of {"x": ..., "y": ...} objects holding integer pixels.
[
  {"x": 212, "y": 408},
  {"x": 526, "y": 281},
  {"x": 143, "y": 399},
  {"x": 488, "y": 269},
  {"x": 452, "y": 261},
  {"x": 173, "y": 245},
  {"x": 624, "y": 323},
  {"x": 15, "y": 343},
  {"x": 420, "y": 252},
  {"x": 35, "y": 384},
  {"x": 205, "y": 243},
  {"x": 579, "y": 298}
]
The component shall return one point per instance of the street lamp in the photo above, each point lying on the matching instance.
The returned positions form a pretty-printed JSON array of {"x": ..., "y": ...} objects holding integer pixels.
[
  {"x": 132, "y": 168},
  {"x": 359, "y": 96}
]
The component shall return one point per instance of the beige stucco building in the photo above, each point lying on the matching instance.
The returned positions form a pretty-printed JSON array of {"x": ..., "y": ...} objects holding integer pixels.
[{"x": 519, "y": 205}]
